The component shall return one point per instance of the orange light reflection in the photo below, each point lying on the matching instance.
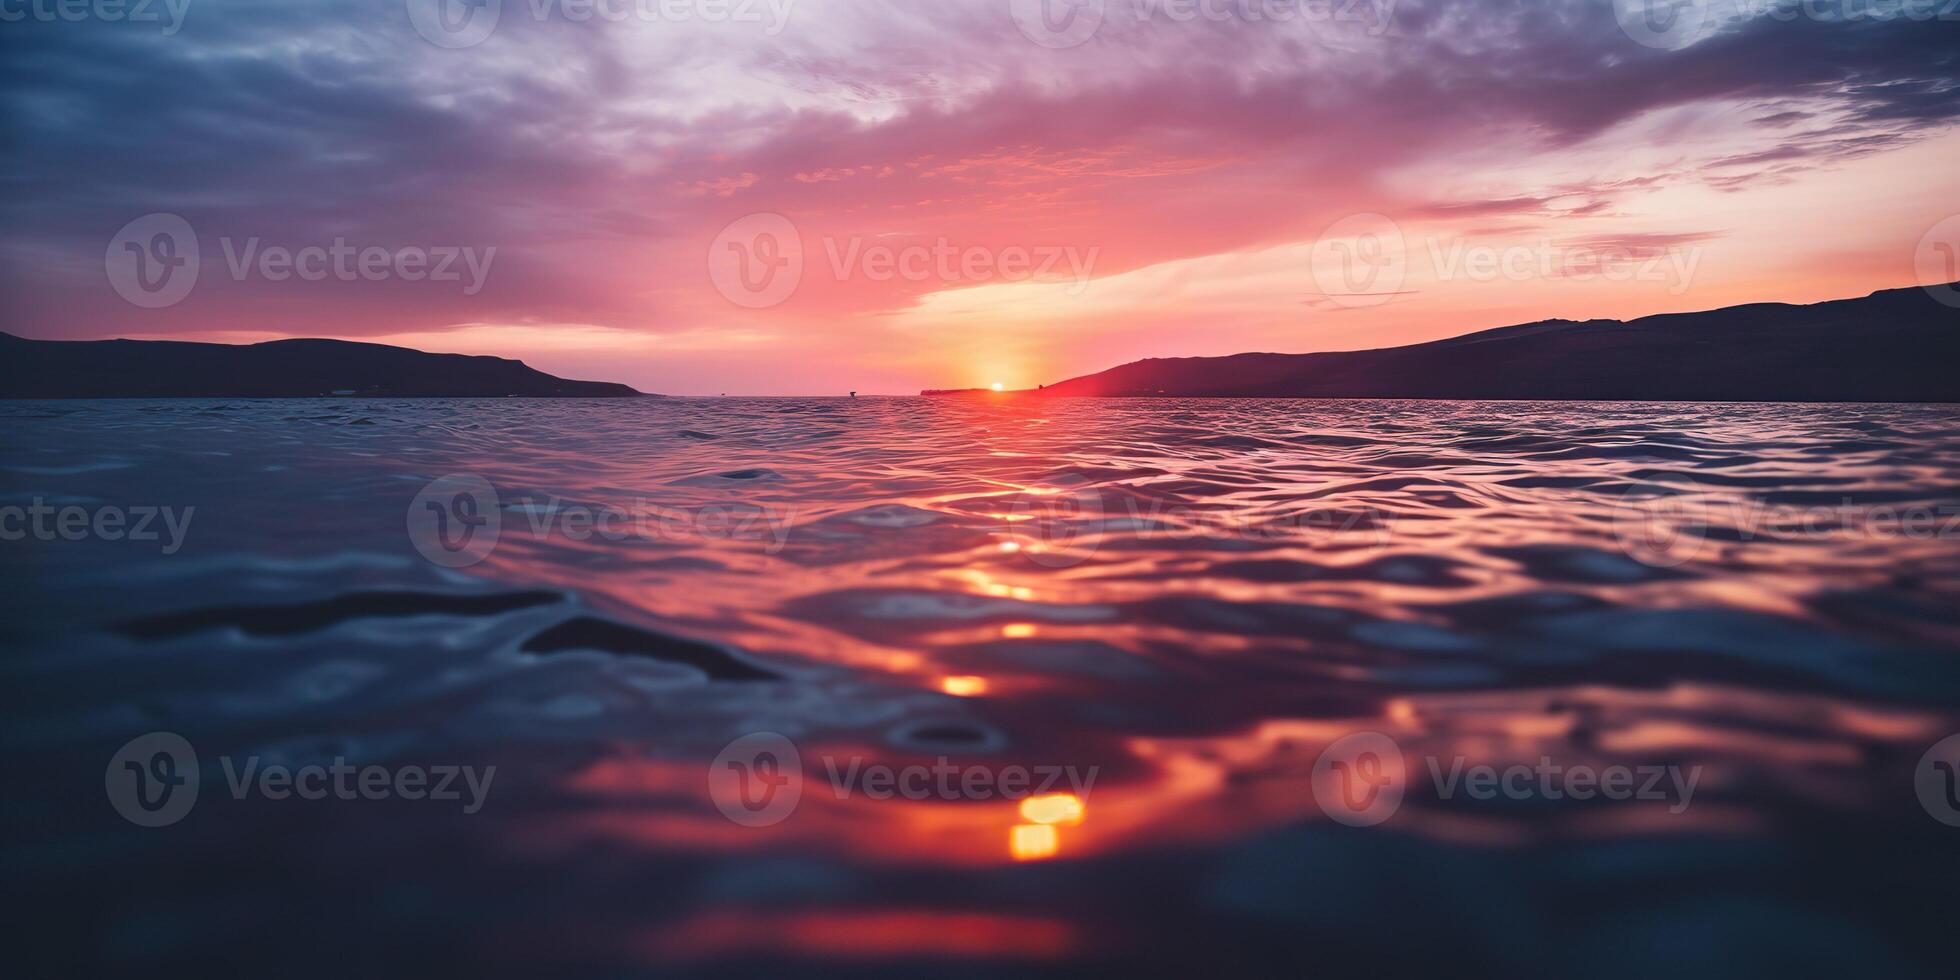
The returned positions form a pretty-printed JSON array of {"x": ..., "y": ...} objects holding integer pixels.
[
  {"x": 964, "y": 686},
  {"x": 1033, "y": 841}
]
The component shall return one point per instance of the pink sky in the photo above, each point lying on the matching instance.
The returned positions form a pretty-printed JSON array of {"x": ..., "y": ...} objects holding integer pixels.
[{"x": 1190, "y": 185}]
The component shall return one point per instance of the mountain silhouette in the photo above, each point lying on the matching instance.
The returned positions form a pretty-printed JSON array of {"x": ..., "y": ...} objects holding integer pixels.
[
  {"x": 276, "y": 369},
  {"x": 1897, "y": 345}
]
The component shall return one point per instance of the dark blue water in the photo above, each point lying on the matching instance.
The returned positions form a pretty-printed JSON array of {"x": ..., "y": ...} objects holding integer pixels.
[{"x": 1184, "y": 611}]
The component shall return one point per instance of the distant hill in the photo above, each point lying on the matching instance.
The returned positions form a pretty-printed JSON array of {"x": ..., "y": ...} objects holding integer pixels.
[
  {"x": 1898, "y": 345},
  {"x": 277, "y": 369}
]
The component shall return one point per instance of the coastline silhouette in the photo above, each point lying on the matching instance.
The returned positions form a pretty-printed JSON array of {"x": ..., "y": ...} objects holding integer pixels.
[{"x": 1837, "y": 351}]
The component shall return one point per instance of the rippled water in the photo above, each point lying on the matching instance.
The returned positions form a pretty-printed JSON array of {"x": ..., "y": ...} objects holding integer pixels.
[{"x": 1184, "y": 602}]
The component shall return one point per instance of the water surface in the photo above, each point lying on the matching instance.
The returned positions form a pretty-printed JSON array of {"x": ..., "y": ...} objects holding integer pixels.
[{"x": 1189, "y": 599}]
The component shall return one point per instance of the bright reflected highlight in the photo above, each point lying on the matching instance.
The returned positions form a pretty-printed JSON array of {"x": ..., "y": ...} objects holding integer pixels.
[
  {"x": 964, "y": 686},
  {"x": 1033, "y": 841},
  {"x": 1055, "y": 808}
]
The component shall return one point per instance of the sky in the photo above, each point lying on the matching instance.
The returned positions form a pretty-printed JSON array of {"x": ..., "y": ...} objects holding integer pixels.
[{"x": 814, "y": 196}]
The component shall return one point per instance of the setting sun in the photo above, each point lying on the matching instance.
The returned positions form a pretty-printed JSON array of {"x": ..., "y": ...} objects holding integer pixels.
[{"x": 998, "y": 386}]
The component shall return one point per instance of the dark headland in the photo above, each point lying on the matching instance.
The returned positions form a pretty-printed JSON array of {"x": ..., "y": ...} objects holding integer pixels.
[
  {"x": 276, "y": 369},
  {"x": 1897, "y": 345}
]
